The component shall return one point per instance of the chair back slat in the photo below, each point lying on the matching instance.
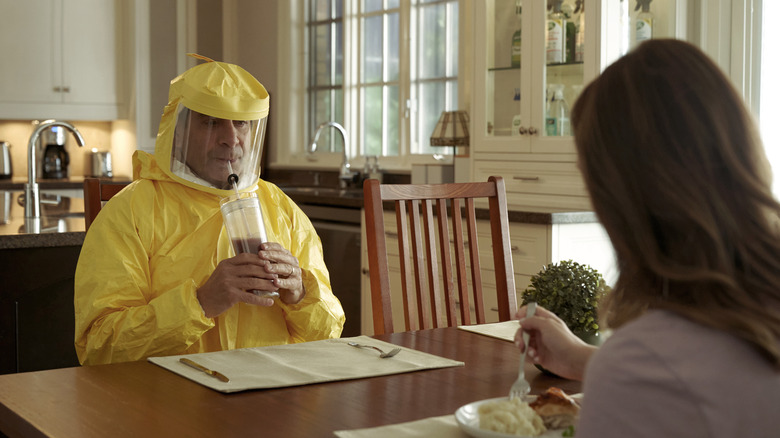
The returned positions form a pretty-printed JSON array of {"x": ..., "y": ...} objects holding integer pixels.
[
  {"x": 476, "y": 273},
  {"x": 459, "y": 247},
  {"x": 449, "y": 313},
  {"x": 435, "y": 251}
]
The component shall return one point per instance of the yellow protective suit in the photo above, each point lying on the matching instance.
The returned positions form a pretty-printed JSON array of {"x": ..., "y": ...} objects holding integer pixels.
[{"x": 157, "y": 241}]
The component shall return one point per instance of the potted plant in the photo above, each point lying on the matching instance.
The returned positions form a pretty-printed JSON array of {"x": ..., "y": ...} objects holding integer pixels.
[{"x": 572, "y": 291}]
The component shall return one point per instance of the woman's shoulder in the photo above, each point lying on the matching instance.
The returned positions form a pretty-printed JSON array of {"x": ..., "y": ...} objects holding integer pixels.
[
  {"x": 663, "y": 362},
  {"x": 679, "y": 341}
]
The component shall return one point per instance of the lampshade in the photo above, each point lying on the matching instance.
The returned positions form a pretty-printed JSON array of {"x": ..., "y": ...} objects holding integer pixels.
[{"x": 452, "y": 129}]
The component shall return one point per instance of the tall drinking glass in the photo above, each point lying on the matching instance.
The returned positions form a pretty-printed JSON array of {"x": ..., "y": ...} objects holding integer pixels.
[{"x": 243, "y": 219}]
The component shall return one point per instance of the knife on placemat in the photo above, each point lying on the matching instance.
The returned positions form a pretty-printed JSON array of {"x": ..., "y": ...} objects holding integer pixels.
[{"x": 200, "y": 367}]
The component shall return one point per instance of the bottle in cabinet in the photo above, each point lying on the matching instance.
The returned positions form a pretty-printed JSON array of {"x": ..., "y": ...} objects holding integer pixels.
[
  {"x": 557, "y": 122},
  {"x": 517, "y": 37},
  {"x": 556, "y": 34},
  {"x": 642, "y": 28}
]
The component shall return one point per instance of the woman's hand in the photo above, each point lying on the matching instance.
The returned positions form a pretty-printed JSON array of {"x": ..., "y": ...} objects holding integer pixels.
[
  {"x": 552, "y": 345},
  {"x": 284, "y": 266}
]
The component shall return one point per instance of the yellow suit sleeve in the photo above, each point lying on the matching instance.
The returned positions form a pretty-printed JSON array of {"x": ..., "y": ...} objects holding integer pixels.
[{"x": 118, "y": 316}]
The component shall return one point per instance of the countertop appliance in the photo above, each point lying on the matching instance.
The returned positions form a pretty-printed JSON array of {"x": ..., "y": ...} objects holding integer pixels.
[
  {"x": 6, "y": 170},
  {"x": 55, "y": 157},
  {"x": 99, "y": 164}
]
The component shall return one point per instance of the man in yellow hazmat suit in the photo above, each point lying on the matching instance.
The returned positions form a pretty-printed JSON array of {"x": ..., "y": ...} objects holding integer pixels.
[{"x": 157, "y": 275}]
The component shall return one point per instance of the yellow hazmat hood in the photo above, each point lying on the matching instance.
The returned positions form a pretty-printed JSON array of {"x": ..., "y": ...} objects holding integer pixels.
[{"x": 216, "y": 89}]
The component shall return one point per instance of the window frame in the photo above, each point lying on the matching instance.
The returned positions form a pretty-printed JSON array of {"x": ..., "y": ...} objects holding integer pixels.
[{"x": 293, "y": 57}]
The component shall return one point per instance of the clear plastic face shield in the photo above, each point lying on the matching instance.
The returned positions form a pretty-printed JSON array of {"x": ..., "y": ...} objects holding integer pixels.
[{"x": 206, "y": 149}]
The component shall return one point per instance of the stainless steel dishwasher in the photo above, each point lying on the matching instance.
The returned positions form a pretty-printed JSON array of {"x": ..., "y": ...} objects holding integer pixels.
[{"x": 339, "y": 231}]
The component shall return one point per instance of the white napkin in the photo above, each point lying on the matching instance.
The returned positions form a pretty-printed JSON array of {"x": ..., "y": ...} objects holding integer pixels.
[
  {"x": 301, "y": 364},
  {"x": 434, "y": 427},
  {"x": 502, "y": 330}
]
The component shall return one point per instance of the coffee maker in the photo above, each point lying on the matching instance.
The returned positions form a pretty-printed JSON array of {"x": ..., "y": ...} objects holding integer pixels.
[{"x": 55, "y": 157}]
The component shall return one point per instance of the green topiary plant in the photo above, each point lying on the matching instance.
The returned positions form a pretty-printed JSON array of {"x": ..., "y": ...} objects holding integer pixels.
[{"x": 571, "y": 291}]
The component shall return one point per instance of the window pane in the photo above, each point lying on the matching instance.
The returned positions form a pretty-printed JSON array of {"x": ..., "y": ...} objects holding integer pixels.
[
  {"x": 338, "y": 66},
  {"x": 393, "y": 40},
  {"x": 321, "y": 55},
  {"x": 393, "y": 134},
  {"x": 328, "y": 106},
  {"x": 432, "y": 44},
  {"x": 321, "y": 9},
  {"x": 452, "y": 44},
  {"x": 770, "y": 91},
  {"x": 372, "y": 49},
  {"x": 372, "y": 121},
  {"x": 322, "y": 104},
  {"x": 432, "y": 103},
  {"x": 372, "y": 5}
]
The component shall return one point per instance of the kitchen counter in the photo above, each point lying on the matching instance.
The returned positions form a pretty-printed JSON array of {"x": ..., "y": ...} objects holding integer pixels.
[
  {"x": 74, "y": 182},
  {"x": 61, "y": 224},
  {"x": 353, "y": 198}
]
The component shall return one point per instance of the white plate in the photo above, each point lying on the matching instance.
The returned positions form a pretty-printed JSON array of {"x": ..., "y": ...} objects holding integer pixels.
[{"x": 467, "y": 417}]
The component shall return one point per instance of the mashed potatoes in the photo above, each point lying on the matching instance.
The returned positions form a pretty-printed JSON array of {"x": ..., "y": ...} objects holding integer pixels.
[{"x": 512, "y": 417}]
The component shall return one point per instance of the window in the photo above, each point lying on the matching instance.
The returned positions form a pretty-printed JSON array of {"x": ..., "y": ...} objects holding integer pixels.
[
  {"x": 384, "y": 69},
  {"x": 770, "y": 91}
]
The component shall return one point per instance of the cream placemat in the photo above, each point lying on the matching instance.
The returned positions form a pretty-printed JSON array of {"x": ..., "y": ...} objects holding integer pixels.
[
  {"x": 502, "y": 330},
  {"x": 434, "y": 427},
  {"x": 301, "y": 364}
]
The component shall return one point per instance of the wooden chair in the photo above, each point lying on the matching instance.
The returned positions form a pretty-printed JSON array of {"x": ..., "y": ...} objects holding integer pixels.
[
  {"x": 427, "y": 307},
  {"x": 96, "y": 191}
]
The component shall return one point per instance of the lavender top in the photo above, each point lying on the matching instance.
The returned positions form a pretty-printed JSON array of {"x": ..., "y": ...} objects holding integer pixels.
[{"x": 665, "y": 376}]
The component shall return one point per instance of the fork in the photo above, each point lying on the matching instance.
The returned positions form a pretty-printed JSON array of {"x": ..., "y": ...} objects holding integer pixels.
[
  {"x": 382, "y": 353},
  {"x": 521, "y": 387}
]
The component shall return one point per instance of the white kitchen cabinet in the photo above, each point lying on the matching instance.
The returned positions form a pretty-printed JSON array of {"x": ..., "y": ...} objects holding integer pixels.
[
  {"x": 534, "y": 245},
  {"x": 538, "y": 164},
  {"x": 512, "y": 137},
  {"x": 62, "y": 59}
]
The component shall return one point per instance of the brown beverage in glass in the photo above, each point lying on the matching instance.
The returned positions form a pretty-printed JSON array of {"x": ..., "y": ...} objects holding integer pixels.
[{"x": 243, "y": 219}]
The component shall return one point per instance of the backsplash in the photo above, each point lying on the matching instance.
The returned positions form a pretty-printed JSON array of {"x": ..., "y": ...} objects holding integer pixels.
[{"x": 116, "y": 137}]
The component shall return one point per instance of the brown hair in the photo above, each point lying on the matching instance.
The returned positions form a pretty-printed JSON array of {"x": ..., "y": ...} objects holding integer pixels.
[{"x": 678, "y": 177}]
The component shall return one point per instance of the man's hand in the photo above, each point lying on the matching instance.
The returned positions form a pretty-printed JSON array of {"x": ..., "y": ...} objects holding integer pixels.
[
  {"x": 232, "y": 282},
  {"x": 284, "y": 266}
]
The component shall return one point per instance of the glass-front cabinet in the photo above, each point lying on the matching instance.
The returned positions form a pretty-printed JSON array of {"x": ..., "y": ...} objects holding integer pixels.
[
  {"x": 532, "y": 69},
  {"x": 532, "y": 59}
]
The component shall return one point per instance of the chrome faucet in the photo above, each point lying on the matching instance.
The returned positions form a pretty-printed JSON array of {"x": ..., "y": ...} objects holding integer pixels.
[
  {"x": 32, "y": 194},
  {"x": 346, "y": 175}
]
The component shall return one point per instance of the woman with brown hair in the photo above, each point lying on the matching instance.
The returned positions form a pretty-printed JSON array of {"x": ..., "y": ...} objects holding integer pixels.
[{"x": 678, "y": 177}]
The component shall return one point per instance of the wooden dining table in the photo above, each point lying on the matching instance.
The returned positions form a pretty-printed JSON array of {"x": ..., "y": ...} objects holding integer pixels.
[{"x": 140, "y": 399}]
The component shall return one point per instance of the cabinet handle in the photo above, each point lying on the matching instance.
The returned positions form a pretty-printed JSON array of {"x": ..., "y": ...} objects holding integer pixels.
[
  {"x": 57, "y": 89},
  {"x": 364, "y": 271},
  {"x": 66, "y": 89},
  {"x": 522, "y": 130},
  {"x": 391, "y": 234},
  {"x": 532, "y": 131},
  {"x": 526, "y": 178},
  {"x": 514, "y": 248}
]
